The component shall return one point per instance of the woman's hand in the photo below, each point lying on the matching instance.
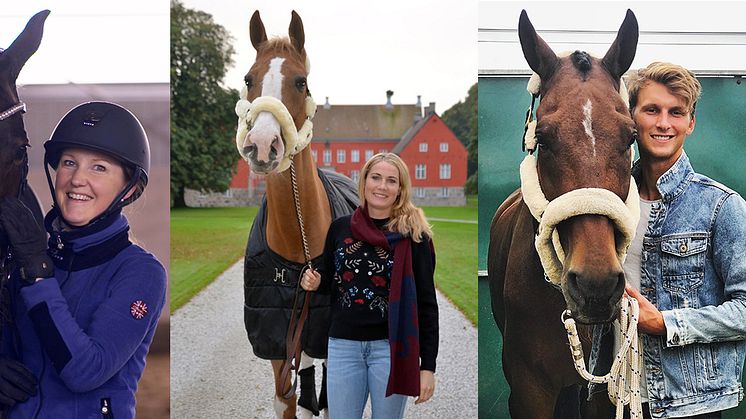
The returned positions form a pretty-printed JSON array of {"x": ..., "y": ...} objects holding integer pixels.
[
  {"x": 427, "y": 386},
  {"x": 310, "y": 280},
  {"x": 28, "y": 239},
  {"x": 651, "y": 319}
]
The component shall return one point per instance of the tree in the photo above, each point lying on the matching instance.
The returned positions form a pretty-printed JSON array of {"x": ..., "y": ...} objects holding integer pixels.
[
  {"x": 461, "y": 118},
  {"x": 203, "y": 122}
]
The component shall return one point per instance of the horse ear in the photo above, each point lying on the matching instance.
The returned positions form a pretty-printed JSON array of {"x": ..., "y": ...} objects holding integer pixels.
[
  {"x": 297, "y": 36},
  {"x": 26, "y": 43},
  {"x": 622, "y": 52},
  {"x": 539, "y": 56},
  {"x": 256, "y": 31}
]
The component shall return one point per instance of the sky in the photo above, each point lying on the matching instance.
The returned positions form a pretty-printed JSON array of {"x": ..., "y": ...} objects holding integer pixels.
[
  {"x": 358, "y": 50},
  {"x": 361, "y": 49},
  {"x": 88, "y": 41},
  {"x": 700, "y": 36}
]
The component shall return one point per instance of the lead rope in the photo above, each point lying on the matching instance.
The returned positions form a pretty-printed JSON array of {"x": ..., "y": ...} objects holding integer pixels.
[
  {"x": 295, "y": 327},
  {"x": 624, "y": 377}
]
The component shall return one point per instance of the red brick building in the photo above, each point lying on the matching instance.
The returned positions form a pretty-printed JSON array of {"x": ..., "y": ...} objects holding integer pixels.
[{"x": 346, "y": 136}]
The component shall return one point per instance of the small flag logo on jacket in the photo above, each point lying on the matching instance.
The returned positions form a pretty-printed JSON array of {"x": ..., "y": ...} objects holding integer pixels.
[{"x": 139, "y": 309}]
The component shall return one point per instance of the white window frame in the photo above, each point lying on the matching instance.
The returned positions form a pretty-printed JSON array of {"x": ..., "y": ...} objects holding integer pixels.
[
  {"x": 341, "y": 156},
  {"x": 444, "y": 147},
  {"x": 355, "y": 156},
  {"x": 420, "y": 171},
  {"x": 327, "y": 156},
  {"x": 423, "y": 147},
  {"x": 445, "y": 171},
  {"x": 355, "y": 175},
  {"x": 444, "y": 192},
  {"x": 368, "y": 154},
  {"x": 419, "y": 192}
]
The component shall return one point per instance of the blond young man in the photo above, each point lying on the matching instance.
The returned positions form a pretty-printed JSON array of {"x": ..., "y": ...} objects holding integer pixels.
[{"x": 687, "y": 265}]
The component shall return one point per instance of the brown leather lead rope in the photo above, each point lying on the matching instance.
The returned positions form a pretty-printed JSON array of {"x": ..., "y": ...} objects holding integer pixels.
[{"x": 295, "y": 326}]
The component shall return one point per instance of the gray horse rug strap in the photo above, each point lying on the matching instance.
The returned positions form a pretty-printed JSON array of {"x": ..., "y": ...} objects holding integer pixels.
[
  {"x": 623, "y": 379},
  {"x": 295, "y": 140}
]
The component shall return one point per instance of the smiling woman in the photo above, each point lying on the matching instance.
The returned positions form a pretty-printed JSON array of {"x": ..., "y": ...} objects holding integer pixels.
[
  {"x": 89, "y": 305},
  {"x": 86, "y": 182}
]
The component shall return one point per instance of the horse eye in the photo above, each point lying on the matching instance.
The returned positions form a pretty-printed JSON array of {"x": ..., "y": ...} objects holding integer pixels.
[
  {"x": 249, "y": 82},
  {"x": 300, "y": 83},
  {"x": 539, "y": 140},
  {"x": 21, "y": 151}
]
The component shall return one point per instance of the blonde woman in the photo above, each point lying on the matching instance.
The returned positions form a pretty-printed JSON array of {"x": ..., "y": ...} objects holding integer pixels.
[{"x": 378, "y": 266}]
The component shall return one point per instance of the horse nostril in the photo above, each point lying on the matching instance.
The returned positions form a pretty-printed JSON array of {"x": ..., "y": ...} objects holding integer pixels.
[{"x": 249, "y": 149}]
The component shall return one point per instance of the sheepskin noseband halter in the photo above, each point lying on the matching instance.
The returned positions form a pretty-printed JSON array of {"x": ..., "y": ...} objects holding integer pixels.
[
  {"x": 295, "y": 139},
  {"x": 625, "y": 215}
]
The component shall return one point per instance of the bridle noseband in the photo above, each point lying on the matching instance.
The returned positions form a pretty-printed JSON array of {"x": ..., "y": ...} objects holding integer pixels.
[{"x": 624, "y": 214}]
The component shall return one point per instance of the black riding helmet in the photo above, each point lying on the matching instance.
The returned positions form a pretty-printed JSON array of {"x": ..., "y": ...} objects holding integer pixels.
[{"x": 107, "y": 128}]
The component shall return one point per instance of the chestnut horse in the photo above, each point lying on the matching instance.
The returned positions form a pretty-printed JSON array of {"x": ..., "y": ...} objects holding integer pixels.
[
  {"x": 13, "y": 139},
  {"x": 275, "y": 114},
  {"x": 583, "y": 134}
]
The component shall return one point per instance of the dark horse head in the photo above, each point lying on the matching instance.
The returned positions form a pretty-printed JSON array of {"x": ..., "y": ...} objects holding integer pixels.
[
  {"x": 13, "y": 139},
  {"x": 584, "y": 133}
]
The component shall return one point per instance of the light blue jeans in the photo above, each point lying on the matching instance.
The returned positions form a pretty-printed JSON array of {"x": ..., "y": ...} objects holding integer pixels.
[{"x": 356, "y": 369}]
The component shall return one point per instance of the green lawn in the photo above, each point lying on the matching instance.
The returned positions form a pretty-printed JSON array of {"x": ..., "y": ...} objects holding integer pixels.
[{"x": 206, "y": 241}]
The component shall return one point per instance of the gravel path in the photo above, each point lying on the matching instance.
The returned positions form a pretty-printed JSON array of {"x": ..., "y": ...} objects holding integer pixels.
[{"x": 214, "y": 373}]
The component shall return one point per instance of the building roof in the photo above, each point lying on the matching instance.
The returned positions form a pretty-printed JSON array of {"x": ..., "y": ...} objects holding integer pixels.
[
  {"x": 411, "y": 132},
  {"x": 373, "y": 122}
]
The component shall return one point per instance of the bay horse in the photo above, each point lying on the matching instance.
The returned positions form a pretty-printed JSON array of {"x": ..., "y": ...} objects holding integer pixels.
[
  {"x": 274, "y": 130},
  {"x": 13, "y": 139},
  {"x": 583, "y": 138}
]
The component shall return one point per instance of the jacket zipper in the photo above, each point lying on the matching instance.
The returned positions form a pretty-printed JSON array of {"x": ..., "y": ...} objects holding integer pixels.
[{"x": 106, "y": 409}]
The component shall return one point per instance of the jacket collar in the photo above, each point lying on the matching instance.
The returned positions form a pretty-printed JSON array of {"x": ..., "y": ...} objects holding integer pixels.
[{"x": 674, "y": 181}]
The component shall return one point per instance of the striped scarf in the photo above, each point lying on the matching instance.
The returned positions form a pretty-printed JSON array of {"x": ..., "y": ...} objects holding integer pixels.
[{"x": 404, "y": 335}]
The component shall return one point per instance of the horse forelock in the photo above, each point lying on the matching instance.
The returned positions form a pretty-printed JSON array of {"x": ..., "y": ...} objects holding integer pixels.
[
  {"x": 582, "y": 61},
  {"x": 281, "y": 47}
]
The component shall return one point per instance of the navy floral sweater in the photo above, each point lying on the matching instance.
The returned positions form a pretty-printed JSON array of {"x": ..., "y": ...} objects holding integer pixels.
[{"x": 357, "y": 274}]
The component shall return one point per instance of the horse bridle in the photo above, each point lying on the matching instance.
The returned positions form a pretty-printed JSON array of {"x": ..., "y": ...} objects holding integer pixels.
[
  {"x": 624, "y": 214},
  {"x": 6, "y": 254},
  {"x": 549, "y": 214},
  {"x": 18, "y": 107}
]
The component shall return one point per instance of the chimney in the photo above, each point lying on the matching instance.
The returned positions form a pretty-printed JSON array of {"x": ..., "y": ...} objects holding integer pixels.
[
  {"x": 418, "y": 115},
  {"x": 389, "y": 93},
  {"x": 430, "y": 109},
  {"x": 326, "y": 104}
]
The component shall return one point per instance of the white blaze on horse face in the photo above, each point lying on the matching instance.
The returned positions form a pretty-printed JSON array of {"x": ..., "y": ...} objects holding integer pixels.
[
  {"x": 266, "y": 127},
  {"x": 588, "y": 124}
]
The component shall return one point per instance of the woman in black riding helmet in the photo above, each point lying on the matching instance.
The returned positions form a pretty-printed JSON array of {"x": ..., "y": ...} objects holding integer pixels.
[{"x": 86, "y": 307}]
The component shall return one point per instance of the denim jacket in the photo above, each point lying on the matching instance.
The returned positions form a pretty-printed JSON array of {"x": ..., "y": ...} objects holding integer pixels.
[{"x": 694, "y": 270}]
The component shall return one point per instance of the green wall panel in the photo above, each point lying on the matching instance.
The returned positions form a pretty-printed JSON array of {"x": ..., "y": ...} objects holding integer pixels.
[{"x": 717, "y": 148}]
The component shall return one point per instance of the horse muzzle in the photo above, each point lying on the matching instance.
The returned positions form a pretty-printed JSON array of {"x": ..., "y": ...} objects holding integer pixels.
[{"x": 269, "y": 114}]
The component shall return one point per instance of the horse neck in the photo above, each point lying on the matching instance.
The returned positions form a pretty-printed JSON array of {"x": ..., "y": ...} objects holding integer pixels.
[{"x": 283, "y": 231}]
